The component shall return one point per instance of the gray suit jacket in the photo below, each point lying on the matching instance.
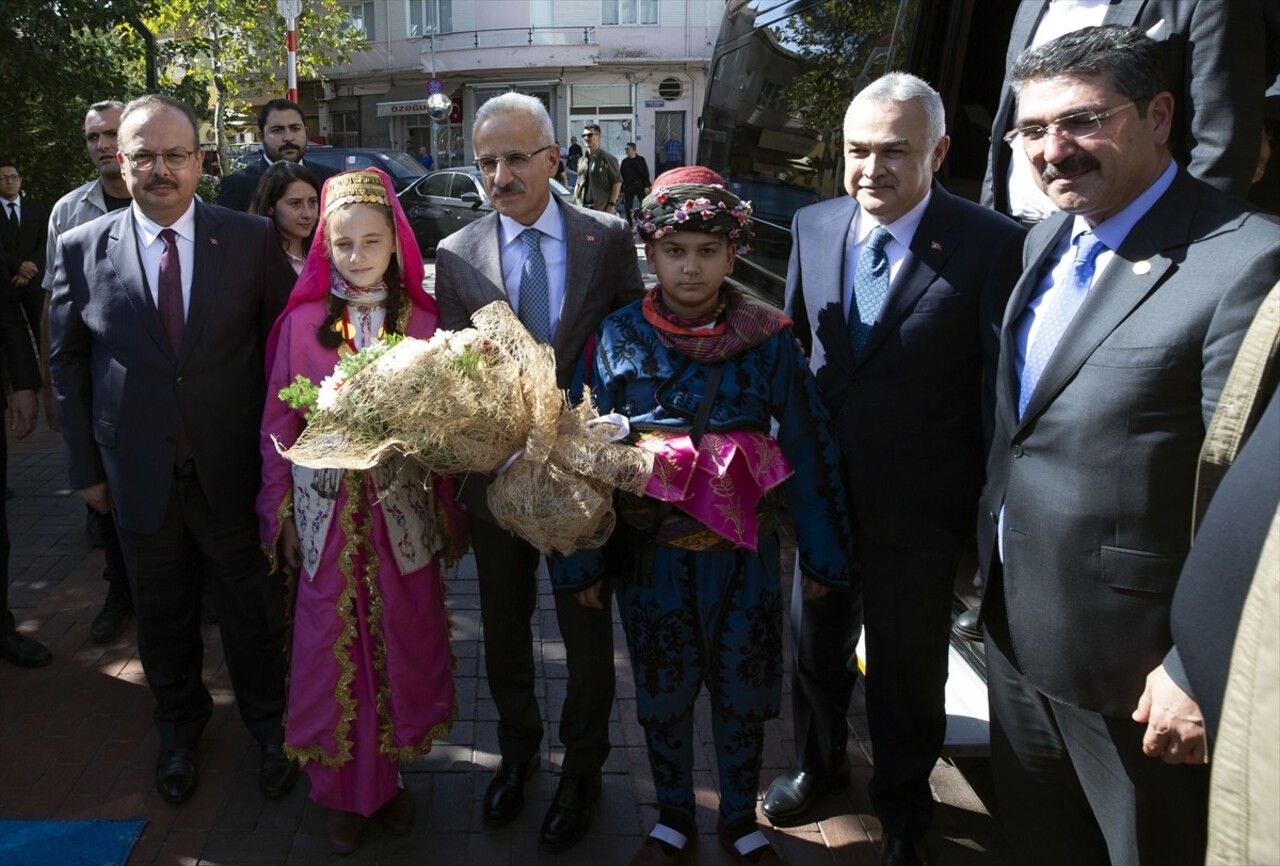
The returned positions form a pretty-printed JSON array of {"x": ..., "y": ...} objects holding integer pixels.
[
  {"x": 119, "y": 386},
  {"x": 1098, "y": 478},
  {"x": 601, "y": 275},
  {"x": 1214, "y": 69}
]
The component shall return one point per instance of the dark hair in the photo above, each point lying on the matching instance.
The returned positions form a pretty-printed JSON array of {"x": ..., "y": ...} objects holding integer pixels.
[
  {"x": 631, "y": 144},
  {"x": 336, "y": 307},
  {"x": 594, "y": 127},
  {"x": 157, "y": 101},
  {"x": 106, "y": 105},
  {"x": 12, "y": 163},
  {"x": 1126, "y": 54},
  {"x": 277, "y": 105},
  {"x": 275, "y": 180}
]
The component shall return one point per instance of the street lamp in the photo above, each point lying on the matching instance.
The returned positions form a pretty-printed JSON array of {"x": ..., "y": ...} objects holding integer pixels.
[{"x": 290, "y": 10}]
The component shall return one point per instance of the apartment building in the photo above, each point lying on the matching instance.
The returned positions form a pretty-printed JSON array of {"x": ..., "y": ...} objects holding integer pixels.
[{"x": 636, "y": 67}]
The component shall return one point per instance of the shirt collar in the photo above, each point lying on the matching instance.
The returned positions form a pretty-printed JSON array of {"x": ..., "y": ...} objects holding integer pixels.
[
  {"x": 149, "y": 229},
  {"x": 1113, "y": 230},
  {"x": 551, "y": 223},
  {"x": 903, "y": 228}
]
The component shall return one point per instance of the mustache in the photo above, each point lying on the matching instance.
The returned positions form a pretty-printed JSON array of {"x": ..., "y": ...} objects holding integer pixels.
[
  {"x": 158, "y": 182},
  {"x": 1077, "y": 162},
  {"x": 514, "y": 186}
]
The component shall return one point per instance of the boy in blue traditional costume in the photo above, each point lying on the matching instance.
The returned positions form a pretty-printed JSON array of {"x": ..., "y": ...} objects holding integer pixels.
[{"x": 701, "y": 373}]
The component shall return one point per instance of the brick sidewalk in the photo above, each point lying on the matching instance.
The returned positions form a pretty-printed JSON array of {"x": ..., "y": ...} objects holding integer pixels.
[{"x": 76, "y": 740}]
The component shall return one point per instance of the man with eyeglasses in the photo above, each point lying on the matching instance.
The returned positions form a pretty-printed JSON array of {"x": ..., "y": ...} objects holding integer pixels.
[
  {"x": 599, "y": 184},
  {"x": 23, "y": 224},
  {"x": 1212, "y": 59},
  {"x": 157, "y": 322},
  {"x": 1115, "y": 347},
  {"x": 563, "y": 269},
  {"x": 283, "y": 131}
]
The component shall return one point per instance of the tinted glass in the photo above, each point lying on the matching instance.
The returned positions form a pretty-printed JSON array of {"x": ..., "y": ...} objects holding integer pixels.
[{"x": 437, "y": 184}]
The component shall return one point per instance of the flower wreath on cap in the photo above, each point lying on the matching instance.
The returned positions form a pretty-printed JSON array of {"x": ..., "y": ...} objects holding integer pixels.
[{"x": 694, "y": 199}]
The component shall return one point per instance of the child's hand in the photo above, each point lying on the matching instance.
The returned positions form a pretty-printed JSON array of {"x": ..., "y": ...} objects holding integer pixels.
[
  {"x": 590, "y": 597},
  {"x": 290, "y": 547},
  {"x": 811, "y": 589}
]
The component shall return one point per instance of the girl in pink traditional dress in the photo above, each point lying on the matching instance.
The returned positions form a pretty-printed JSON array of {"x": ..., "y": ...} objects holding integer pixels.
[{"x": 371, "y": 672}]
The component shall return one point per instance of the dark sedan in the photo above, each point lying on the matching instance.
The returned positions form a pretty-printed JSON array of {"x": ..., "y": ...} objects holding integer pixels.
[{"x": 446, "y": 200}]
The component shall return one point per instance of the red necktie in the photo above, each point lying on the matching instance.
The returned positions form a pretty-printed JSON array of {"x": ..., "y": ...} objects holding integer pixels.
[{"x": 169, "y": 305}]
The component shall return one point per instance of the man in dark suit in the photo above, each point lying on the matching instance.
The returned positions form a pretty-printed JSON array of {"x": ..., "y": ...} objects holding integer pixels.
[
  {"x": 18, "y": 365},
  {"x": 157, "y": 322},
  {"x": 283, "y": 132},
  {"x": 24, "y": 223},
  {"x": 562, "y": 268},
  {"x": 901, "y": 373},
  {"x": 1114, "y": 349},
  {"x": 1212, "y": 60}
]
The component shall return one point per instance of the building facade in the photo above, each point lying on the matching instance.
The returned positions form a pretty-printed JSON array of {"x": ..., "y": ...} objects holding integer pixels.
[{"x": 636, "y": 67}]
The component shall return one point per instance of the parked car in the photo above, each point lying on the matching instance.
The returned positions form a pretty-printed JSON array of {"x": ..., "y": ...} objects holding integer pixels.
[
  {"x": 448, "y": 199},
  {"x": 402, "y": 167}
]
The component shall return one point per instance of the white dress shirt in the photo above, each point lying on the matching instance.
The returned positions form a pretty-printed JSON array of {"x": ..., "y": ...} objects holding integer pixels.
[
  {"x": 903, "y": 230},
  {"x": 554, "y": 251},
  {"x": 150, "y": 248}
]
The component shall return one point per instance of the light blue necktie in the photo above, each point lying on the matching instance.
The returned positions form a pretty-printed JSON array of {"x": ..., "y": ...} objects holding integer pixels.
[
  {"x": 870, "y": 288},
  {"x": 535, "y": 293},
  {"x": 1057, "y": 317}
]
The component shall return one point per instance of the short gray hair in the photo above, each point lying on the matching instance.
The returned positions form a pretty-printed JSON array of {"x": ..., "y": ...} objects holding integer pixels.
[
  {"x": 902, "y": 87},
  {"x": 518, "y": 103}
]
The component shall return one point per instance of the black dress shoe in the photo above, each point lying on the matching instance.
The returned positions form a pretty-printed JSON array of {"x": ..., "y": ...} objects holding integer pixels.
[
  {"x": 110, "y": 622},
  {"x": 176, "y": 774},
  {"x": 968, "y": 625},
  {"x": 793, "y": 794},
  {"x": 504, "y": 798},
  {"x": 569, "y": 817},
  {"x": 23, "y": 651},
  {"x": 278, "y": 772},
  {"x": 899, "y": 852}
]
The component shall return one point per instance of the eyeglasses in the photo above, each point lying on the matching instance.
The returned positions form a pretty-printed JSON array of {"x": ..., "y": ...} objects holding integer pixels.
[
  {"x": 1073, "y": 126},
  {"x": 588, "y": 135},
  {"x": 10, "y": 176},
  {"x": 515, "y": 161},
  {"x": 174, "y": 160}
]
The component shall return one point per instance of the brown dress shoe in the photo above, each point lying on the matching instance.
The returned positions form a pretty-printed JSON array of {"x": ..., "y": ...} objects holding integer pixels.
[
  {"x": 397, "y": 813},
  {"x": 343, "y": 830}
]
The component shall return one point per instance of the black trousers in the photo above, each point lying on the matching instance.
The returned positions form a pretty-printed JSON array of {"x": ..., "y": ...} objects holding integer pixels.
[
  {"x": 114, "y": 571},
  {"x": 508, "y": 575},
  {"x": 167, "y": 592},
  {"x": 7, "y": 625},
  {"x": 906, "y": 614},
  {"x": 1073, "y": 786}
]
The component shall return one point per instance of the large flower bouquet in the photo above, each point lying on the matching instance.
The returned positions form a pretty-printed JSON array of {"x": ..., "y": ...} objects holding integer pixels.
[{"x": 485, "y": 400}]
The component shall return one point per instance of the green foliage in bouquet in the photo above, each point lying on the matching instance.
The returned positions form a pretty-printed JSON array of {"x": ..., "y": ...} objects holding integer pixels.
[
  {"x": 352, "y": 364},
  {"x": 302, "y": 394}
]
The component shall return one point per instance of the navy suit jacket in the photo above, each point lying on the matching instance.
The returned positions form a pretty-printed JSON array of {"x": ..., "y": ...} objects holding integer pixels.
[
  {"x": 120, "y": 388},
  {"x": 236, "y": 189},
  {"x": 908, "y": 412}
]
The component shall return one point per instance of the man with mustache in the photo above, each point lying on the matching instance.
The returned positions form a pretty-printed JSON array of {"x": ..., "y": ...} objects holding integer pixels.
[
  {"x": 157, "y": 323},
  {"x": 1115, "y": 346},
  {"x": 283, "y": 132},
  {"x": 104, "y": 194},
  {"x": 898, "y": 350},
  {"x": 562, "y": 268}
]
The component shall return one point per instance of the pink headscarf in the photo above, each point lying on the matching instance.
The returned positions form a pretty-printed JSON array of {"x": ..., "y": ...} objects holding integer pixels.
[{"x": 313, "y": 282}]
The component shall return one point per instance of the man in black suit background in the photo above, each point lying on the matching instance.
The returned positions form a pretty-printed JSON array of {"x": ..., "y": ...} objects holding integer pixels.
[
  {"x": 24, "y": 223},
  {"x": 283, "y": 131},
  {"x": 889, "y": 289},
  {"x": 157, "y": 323}
]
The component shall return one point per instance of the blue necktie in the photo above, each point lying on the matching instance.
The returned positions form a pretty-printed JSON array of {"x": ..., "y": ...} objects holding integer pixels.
[
  {"x": 870, "y": 288},
  {"x": 535, "y": 294},
  {"x": 1059, "y": 315}
]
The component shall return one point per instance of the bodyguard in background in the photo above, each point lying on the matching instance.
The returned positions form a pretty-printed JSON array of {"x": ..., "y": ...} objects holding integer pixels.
[{"x": 283, "y": 131}]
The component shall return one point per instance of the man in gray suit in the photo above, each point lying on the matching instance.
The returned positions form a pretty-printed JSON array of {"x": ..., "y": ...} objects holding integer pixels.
[
  {"x": 1114, "y": 349},
  {"x": 562, "y": 268},
  {"x": 1212, "y": 60}
]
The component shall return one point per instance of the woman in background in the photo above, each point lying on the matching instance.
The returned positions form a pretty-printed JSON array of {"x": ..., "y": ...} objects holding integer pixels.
[{"x": 289, "y": 194}]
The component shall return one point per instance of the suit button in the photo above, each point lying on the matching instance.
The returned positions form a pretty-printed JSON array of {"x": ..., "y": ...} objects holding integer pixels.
[
  {"x": 994, "y": 518},
  {"x": 1016, "y": 450},
  {"x": 179, "y": 380}
]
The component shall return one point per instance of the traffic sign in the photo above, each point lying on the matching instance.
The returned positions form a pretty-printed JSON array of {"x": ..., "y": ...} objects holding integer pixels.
[
  {"x": 434, "y": 85},
  {"x": 289, "y": 8}
]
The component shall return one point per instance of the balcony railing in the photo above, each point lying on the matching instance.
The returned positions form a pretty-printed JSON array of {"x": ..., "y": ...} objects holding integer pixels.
[{"x": 508, "y": 37}]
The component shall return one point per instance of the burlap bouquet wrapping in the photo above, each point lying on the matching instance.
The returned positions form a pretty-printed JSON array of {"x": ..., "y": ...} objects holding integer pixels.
[{"x": 482, "y": 400}]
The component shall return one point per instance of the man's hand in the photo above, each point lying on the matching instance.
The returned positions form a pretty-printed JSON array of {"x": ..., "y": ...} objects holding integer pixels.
[
  {"x": 290, "y": 546},
  {"x": 1175, "y": 726},
  {"x": 50, "y": 412},
  {"x": 98, "y": 496},
  {"x": 590, "y": 597},
  {"x": 22, "y": 412},
  {"x": 29, "y": 270},
  {"x": 811, "y": 589}
]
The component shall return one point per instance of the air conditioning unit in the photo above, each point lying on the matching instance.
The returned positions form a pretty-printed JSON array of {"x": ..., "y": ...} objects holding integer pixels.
[{"x": 324, "y": 91}]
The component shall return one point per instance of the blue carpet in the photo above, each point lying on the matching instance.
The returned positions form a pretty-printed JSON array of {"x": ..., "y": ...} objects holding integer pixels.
[{"x": 67, "y": 843}]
